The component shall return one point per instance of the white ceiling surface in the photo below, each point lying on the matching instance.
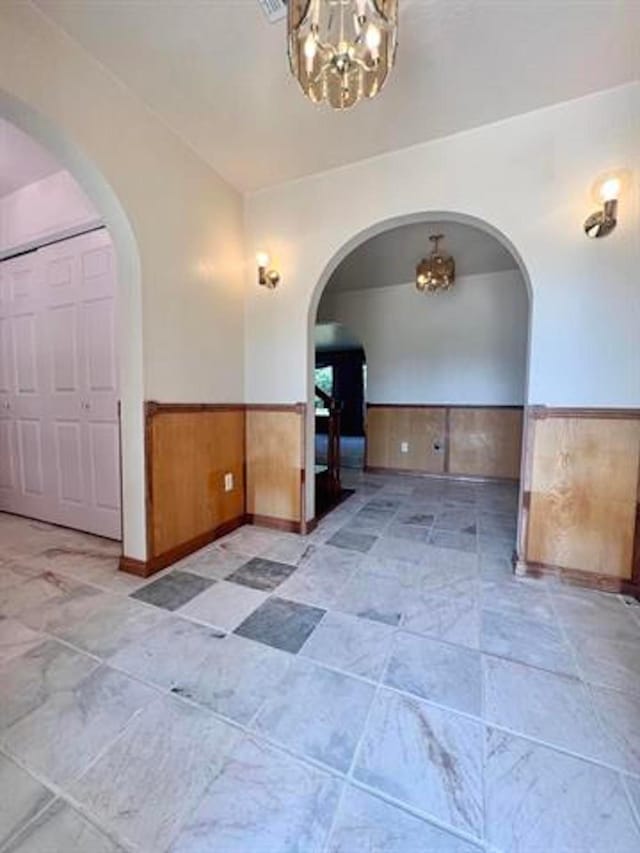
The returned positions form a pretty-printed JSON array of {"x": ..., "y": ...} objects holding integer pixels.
[
  {"x": 216, "y": 72},
  {"x": 391, "y": 257},
  {"x": 22, "y": 160},
  {"x": 332, "y": 337}
]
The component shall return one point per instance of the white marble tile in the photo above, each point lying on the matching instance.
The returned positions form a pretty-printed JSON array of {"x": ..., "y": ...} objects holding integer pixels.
[
  {"x": 317, "y": 713},
  {"x": 323, "y": 557},
  {"x": 29, "y": 681},
  {"x": 250, "y": 540},
  {"x": 12, "y": 574},
  {"x": 538, "y": 799},
  {"x": 224, "y": 605},
  {"x": 517, "y": 598},
  {"x": 262, "y": 800},
  {"x": 212, "y": 562},
  {"x": 544, "y": 705},
  {"x": 290, "y": 550},
  {"x": 596, "y": 615},
  {"x": 620, "y": 714},
  {"x": 149, "y": 781},
  {"x": 454, "y": 618},
  {"x": 368, "y": 596},
  {"x": 62, "y": 736},
  {"x": 354, "y": 645},
  {"x": 316, "y": 585},
  {"x": 400, "y": 549},
  {"x": 16, "y": 639},
  {"x": 367, "y": 823},
  {"x": 21, "y": 799},
  {"x": 440, "y": 672},
  {"x": 61, "y": 829},
  {"x": 526, "y": 640},
  {"x": 608, "y": 663},
  {"x": 425, "y": 756},
  {"x": 120, "y": 622}
]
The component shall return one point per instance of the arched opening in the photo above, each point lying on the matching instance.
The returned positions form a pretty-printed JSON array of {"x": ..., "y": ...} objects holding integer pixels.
[
  {"x": 445, "y": 371},
  {"x": 112, "y": 219}
]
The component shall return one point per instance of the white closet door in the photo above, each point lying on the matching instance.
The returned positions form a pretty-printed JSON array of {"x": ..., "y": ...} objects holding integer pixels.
[
  {"x": 81, "y": 379},
  {"x": 8, "y": 453}
]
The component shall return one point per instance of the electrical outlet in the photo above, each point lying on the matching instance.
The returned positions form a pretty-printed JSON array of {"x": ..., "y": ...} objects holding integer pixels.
[
  {"x": 404, "y": 447},
  {"x": 228, "y": 482}
]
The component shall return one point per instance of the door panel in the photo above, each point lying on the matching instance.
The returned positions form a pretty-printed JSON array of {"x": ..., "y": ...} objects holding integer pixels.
[
  {"x": 30, "y": 452},
  {"x": 68, "y": 439},
  {"x": 104, "y": 462}
]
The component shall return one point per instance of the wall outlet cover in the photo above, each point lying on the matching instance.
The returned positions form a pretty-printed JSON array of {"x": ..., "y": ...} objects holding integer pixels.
[
  {"x": 404, "y": 447},
  {"x": 228, "y": 482}
]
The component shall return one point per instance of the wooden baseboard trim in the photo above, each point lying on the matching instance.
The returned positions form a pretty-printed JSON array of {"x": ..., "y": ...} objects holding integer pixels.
[
  {"x": 416, "y": 472},
  {"x": 577, "y": 577},
  {"x": 146, "y": 568},
  {"x": 274, "y": 523}
]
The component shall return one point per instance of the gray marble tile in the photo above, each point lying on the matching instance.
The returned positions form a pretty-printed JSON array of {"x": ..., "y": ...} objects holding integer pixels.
[
  {"x": 262, "y": 574},
  {"x": 425, "y": 756},
  {"x": 118, "y": 623},
  {"x": 454, "y": 539},
  {"x": 365, "y": 822},
  {"x": 373, "y": 597},
  {"x": 368, "y": 521},
  {"x": 317, "y": 713},
  {"x": 29, "y": 681},
  {"x": 414, "y": 517},
  {"x": 16, "y": 639},
  {"x": 49, "y": 601},
  {"x": 22, "y": 798},
  {"x": 596, "y": 615},
  {"x": 173, "y": 590},
  {"x": 408, "y": 531},
  {"x": 384, "y": 504},
  {"x": 525, "y": 640},
  {"x": 496, "y": 547},
  {"x": 315, "y": 584},
  {"x": 539, "y": 799},
  {"x": 620, "y": 713},
  {"x": 262, "y": 800},
  {"x": 67, "y": 731},
  {"x": 281, "y": 623},
  {"x": 150, "y": 780},
  {"x": 503, "y": 524},
  {"x": 518, "y": 598},
  {"x": 400, "y": 549},
  {"x": 454, "y": 618},
  {"x": 457, "y": 520},
  {"x": 350, "y": 644},
  {"x": 446, "y": 674},
  {"x": 608, "y": 663},
  {"x": 352, "y": 541},
  {"x": 224, "y": 605},
  {"x": 544, "y": 705},
  {"x": 212, "y": 562},
  {"x": 61, "y": 829}
]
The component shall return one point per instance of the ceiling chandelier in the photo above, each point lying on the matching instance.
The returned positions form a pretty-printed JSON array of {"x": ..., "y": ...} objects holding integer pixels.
[
  {"x": 341, "y": 50},
  {"x": 437, "y": 272}
]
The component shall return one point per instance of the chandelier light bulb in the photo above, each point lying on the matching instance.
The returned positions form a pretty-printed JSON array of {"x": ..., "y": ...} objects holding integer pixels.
[
  {"x": 373, "y": 39},
  {"x": 610, "y": 190},
  {"x": 262, "y": 259}
]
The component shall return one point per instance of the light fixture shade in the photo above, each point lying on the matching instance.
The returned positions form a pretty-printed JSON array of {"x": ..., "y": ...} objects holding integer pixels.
[
  {"x": 437, "y": 272},
  {"x": 341, "y": 50}
]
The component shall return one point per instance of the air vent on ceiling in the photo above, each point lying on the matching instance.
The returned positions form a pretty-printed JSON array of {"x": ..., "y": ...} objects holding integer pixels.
[{"x": 275, "y": 10}]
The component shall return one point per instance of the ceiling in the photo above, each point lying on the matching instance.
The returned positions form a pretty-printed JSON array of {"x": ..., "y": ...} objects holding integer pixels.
[
  {"x": 22, "y": 160},
  {"x": 391, "y": 257},
  {"x": 333, "y": 337},
  {"x": 216, "y": 72}
]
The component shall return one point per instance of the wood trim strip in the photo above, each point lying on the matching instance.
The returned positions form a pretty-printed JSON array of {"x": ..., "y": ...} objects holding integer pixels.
[
  {"x": 152, "y": 407},
  {"x": 576, "y": 577},
  {"x": 416, "y": 472},
  {"x": 300, "y": 408},
  {"x": 274, "y": 523},
  {"x": 441, "y": 406},
  {"x": 146, "y": 568},
  {"x": 541, "y": 412},
  {"x": 447, "y": 441}
]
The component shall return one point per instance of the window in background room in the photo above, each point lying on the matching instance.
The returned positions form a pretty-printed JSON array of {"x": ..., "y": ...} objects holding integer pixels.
[{"x": 324, "y": 381}]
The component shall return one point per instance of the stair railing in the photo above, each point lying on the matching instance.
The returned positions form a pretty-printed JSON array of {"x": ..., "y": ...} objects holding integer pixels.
[{"x": 333, "y": 440}]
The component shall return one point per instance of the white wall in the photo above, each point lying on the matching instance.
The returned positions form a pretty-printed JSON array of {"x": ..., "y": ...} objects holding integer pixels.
[
  {"x": 47, "y": 208},
  {"x": 177, "y": 228},
  {"x": 465, "y": 346}
]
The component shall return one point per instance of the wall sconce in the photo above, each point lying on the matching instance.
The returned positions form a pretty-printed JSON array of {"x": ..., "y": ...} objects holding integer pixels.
[
  {"x": 602, "y": 222},
  {"x": 266, "y": 277}
]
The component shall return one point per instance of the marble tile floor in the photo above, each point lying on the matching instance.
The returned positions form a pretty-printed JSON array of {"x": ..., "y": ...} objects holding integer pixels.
[{"x": 384, "y": 684}]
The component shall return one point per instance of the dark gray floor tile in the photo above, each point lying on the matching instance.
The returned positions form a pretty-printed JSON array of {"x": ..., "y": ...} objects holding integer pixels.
[
  {"x": 282, "y": 624},
  {"x": 173, "y": 590},
  {"x": 351, "y": 541},
  {"x": 262, "y": 574}
]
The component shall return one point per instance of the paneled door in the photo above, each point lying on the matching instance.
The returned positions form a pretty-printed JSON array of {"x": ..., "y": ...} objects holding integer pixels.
[
  {"x": 81, "y": 398},
  {"x": 59, "y": 435}
]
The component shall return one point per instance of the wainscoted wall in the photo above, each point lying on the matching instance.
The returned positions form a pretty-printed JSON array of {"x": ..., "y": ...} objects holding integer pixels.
[
  {"x": 275, "y": 445},
  {"x": 471, "y": 441},
  {"x": 581, "y": 491},
  {"x": 188, "y": 450}
]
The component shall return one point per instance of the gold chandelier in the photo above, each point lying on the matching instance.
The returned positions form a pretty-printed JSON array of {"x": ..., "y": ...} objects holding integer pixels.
[
  {"x": 341, "y": 50},
  {"x": 437, "y": 272}
]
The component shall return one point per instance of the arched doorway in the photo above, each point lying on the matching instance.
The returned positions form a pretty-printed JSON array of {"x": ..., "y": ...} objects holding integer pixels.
[
  {"x": 353, "y": 248},
  {"x": 129, "y": 308}
]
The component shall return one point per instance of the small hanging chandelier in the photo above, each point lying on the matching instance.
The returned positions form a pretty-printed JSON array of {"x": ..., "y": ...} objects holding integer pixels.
[
  {"x": 341, "y": 50},
  {"x": 437, "y": 272}
]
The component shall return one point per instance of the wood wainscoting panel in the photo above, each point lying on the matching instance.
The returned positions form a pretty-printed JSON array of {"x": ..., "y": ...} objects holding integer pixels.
[
  {"x": 423, "y": 429},
  {"x": 584, "y": 490},
  {"x": 275, "y": 462},
  {"x": 189, "y": 451},
  {"x": 485, "y": 442}
]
